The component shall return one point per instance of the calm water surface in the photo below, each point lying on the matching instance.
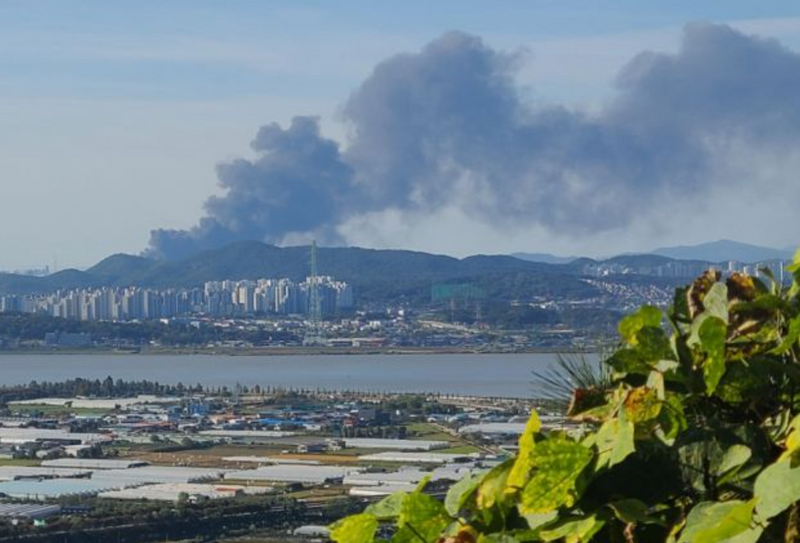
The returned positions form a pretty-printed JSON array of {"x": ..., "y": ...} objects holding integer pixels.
[{"x": 480, "y": 375}]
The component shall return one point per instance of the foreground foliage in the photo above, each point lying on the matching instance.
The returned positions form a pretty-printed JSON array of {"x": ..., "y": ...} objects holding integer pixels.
[{"x": 694, "y": 438}]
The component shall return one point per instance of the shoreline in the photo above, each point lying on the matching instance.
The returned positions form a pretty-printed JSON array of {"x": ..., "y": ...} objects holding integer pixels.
[{"x": 291, "y": 351}]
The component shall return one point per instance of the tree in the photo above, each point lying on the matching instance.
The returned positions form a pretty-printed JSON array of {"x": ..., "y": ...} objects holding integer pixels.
[{"x": 693, "y": 438}]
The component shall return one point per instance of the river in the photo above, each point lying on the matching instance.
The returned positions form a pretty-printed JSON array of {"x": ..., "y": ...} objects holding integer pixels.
[{"x": 488, "y": 375}]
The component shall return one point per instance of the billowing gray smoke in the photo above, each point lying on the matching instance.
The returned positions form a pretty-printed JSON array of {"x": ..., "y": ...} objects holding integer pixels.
[
  {"x": 448, "y": 125},
  {"x": 297, "y": 184}
]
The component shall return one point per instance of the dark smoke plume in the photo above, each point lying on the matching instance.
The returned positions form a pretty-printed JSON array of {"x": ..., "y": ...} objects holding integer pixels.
[
  {"x": 448, "y": 125},
  {"x": 297, "y": 185}
]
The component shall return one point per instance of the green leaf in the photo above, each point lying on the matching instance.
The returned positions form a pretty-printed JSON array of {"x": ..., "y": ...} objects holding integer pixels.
[
  {"x": 734, "y": 458},
  {"x": 795, "y": 266},
  {"x": 522, "y": 466},
  {"x": 573, "y": 531},
  {"x": 646, "y": 316},
  {"x": 701, "y": 452},
  {"x": 355, "y": 529},
  {"x": 557, "y": 465},
  {"x": 716, "y": 302},
  {"x": 721, "y": 522},
  {"x": 713, "y": 333},
  {"x": 776, "y": 488},
  {"x": 497, "y": 538},
  {"x": 629, "y": 361},
  {"x": 642, "y": 404},
  {"x": 680, "y": 306},
  {"x": 461, "y": 492},
  {"x": 537, "y": 520},
  {"x": 671, "y": 419},
  {"x": 614, "y": 441},
  {"x": 423, "y": 483},
  {"x": 791, "y": 337},
  {"x": 632, "y": 510},
  {"x": 492, "y": 487},
  {"x": 792, "y": 442},
  {"x": 653, "y": 344},
  {"x": 389, "y": 507},
  {"x": 422, "y": 517}
]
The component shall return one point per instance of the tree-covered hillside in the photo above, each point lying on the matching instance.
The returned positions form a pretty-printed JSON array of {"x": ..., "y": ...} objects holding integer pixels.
[{"x": 378, "y": 276}]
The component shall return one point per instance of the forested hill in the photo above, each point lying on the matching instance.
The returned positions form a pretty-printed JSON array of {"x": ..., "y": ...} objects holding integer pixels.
[
  {"x": 375, "y": 274},
  {"x": 251, "y": 260}
]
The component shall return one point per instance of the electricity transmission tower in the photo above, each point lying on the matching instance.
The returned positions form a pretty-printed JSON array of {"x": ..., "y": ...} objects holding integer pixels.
[{"x": 313, "y": 335}]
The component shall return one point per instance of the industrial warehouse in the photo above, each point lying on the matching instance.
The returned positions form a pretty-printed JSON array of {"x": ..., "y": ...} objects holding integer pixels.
[{"x": 64, "y": 458}]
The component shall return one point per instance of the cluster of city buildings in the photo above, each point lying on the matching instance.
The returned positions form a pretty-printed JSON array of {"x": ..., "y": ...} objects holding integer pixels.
[
  {"x": 683, "y": 268},
  {"x": 216, "y": 298}
]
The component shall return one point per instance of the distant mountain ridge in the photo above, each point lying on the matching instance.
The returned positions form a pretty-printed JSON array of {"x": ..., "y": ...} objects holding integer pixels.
[
  {"x": 371, "y": 269},
  {"x": 724, "y": 250},
  {"x": 714, "y": 251},
  {"x": 545, "y": 258},
  {"x": 377, "y": 274}
]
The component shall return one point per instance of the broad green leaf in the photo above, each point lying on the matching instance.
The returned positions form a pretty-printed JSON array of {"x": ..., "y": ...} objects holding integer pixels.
[
  {"x": 795, "y": 265},
  {"x": 713, "y": 334},
  {"x": 794, "y": 268},
  {"x": 557, "y": 465},
  {"x": 700, "y": 449},
  {"x": 642, "y": 404},
  {"x": 666, "y": 366},
  {"x": 765, "y": 304},
  {"x": 573, "y": 531},
  {"x": 422, "y": 517},
  {"x": 653, "y": 345},
  {"x": 614, "y": 441},
  {"x": 537, "y": 520},
  {"x": 422, "y": 483},
  {"x": 792, "y": 443},
  {"x": 497, "y": 538},
  {"x": 716, "y": 306},
  {"x": 389, "y": 507},
  {"x": 632, "y": 510},
  {"x": 791, "y": 338},
  {"x": 721, "y": 522},
  {"x": 679, "y": 311},
  {"x": 655, "y": 381},
  {"x": 671, "y": 419},
  {"x": 355, "y": 529},
  {"x": 646, "y": 316},
  {"x": 734, "y": 458},
  {"x": 492, "y": 487},
  {"x": 522, "y": 466},
  {"x": 716, "y": 302},
  {"x": 461, "y": 492},
  {"x": 776, "y": 488},
  {"x": 629, "y": 361}
]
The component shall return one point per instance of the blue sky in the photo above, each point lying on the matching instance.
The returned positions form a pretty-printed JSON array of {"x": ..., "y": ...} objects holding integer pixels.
[{"x": 113, "y": 115}]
